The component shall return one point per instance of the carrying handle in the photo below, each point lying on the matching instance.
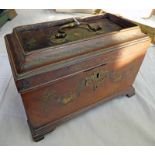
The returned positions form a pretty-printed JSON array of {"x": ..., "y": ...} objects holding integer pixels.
[{"x": 61, "y": 31}]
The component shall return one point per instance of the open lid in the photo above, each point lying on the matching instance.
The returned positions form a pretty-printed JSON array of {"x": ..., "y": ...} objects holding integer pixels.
[{"x": 33, "y": 48}]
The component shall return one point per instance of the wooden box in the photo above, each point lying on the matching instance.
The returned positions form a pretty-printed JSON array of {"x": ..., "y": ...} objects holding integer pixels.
[
  {"x": 150, "y": 31},
  {"x": 6, "y": 15},
  {"x": 65, "y": 67}
]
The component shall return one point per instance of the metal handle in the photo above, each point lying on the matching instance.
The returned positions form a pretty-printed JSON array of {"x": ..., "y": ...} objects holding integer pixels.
[{"x": 61, "y": 31}]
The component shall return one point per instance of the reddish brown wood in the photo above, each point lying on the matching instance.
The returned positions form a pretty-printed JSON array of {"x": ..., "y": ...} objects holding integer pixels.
[
  {"x": 38, "y": 133},
  {"x": 60, "y": 81}
]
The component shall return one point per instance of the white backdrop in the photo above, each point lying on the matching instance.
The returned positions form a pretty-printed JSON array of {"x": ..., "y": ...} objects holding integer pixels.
[{"x": 121, "y": 121}]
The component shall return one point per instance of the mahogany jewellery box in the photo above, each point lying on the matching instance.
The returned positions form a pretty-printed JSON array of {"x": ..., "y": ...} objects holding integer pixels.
[{"x": 62, "y": 68}]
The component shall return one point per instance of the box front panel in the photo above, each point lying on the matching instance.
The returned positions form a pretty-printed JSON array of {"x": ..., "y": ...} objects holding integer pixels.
[{"x": 73, "y": 93}]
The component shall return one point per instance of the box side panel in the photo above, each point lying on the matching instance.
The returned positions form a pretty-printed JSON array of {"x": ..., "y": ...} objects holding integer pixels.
[{"x": 71, "y": 94}]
